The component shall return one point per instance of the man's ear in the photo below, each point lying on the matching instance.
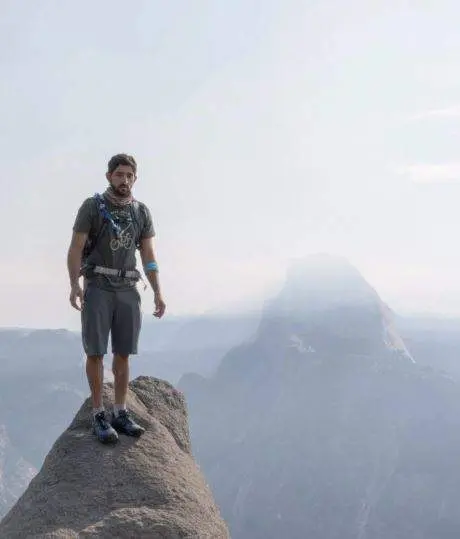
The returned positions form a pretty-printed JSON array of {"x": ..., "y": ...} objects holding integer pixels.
[{"x": 107, "y": 175}]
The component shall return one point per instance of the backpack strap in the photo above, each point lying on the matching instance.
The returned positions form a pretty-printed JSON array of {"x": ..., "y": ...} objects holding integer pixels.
[
  {"x": 106, "y": 218},
  {"x": 106, "y": 214},
  {"x": 135, "y": 210}
]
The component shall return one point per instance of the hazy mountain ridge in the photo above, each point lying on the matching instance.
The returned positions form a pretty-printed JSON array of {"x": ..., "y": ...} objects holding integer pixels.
[
  {"x": 15, "y": 471},
  {"x": 340, "y": 437}
]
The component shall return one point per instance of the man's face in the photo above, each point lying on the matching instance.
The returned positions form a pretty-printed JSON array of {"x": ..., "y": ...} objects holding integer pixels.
[{"x": 122, "y": 180}]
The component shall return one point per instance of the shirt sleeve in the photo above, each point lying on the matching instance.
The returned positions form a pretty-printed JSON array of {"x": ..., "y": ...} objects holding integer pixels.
[
  {"x": 148, "y": 230},
  {"x": 84, "y": 218}
]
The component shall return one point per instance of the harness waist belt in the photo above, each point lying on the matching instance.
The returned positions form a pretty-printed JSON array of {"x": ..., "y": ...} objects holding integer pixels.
[{"x": 133, "y": 274}]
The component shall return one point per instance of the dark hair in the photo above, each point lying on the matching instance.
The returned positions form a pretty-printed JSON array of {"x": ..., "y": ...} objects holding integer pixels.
[{"x": 122, "y": 159}]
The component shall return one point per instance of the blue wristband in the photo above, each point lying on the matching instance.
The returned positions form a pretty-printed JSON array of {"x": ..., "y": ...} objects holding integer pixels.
[{"x": 151, "y": 266}]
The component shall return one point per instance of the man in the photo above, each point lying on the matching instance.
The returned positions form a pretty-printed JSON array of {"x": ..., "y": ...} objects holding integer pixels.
[{"x": 107, "y": 230}]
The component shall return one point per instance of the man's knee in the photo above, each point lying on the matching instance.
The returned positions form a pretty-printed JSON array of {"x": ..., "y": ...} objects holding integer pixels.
[
  {"x": 121, "y": 357},
  {"x": 94, "y": 358},
  {"x": 120, "y": 363}
]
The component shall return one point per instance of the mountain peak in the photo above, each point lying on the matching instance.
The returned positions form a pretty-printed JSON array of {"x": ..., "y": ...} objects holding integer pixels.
[
  {"x": 146, "y": 487},
  {"x": 327, "y": 306},
  {"x": 320, "y": 261},
  {"x": 325, "y": 269},
  {"x": 320, "y": 282}
]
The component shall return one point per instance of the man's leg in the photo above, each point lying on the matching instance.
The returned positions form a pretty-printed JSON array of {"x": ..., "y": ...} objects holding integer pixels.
[
  {"x": 95, "y": 375},
  {"x": 125, "y": 335},
  {"x": 97, "y": 316},
  {"x": 120, "y": 369}
]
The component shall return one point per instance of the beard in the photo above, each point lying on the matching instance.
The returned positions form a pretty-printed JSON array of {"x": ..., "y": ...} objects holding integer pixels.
[{"x": 123, "y": 191}]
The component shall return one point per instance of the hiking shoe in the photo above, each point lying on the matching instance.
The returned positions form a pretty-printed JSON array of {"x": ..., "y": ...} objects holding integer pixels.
[
  {"x": 105, "y": 433},
  {"x": 124, "y": 423}
]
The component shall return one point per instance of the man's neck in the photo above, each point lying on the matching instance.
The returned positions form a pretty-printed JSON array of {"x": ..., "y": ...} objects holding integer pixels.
[{"x": 116, "y": 199}]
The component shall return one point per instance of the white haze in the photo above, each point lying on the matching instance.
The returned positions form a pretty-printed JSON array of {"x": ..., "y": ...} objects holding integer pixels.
[{"x": 264, "y": 131}]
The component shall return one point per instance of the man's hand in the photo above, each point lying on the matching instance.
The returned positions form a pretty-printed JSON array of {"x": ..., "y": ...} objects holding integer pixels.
[
  {"x": 148, "y": 255},
  {"x": 76, "y": 293},
  {"x": 160, "y": 306}
]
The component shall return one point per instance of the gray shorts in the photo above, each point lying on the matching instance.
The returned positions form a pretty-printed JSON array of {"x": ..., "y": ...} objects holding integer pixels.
[{"x": 115, "y": 312}]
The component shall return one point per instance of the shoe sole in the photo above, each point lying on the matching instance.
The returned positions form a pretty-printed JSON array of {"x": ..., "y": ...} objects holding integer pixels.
[
  {"x": 132, "y": 434},
  {"x": 112, "y": 440},
  {"x": 106, "y": 441}
]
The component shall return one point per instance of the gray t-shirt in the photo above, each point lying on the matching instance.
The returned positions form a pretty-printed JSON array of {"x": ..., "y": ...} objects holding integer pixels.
[{"x": 114, "y": 251}]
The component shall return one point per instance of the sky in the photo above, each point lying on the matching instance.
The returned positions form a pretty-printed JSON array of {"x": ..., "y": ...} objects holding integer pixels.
[{"x": 264, "y": 131}]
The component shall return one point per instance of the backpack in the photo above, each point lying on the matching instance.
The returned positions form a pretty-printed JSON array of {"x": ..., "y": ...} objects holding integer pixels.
[{"x": 107, "y": 219}]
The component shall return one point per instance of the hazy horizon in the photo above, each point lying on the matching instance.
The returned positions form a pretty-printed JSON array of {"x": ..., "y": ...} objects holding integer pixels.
[{"x": 264, "y": 131}]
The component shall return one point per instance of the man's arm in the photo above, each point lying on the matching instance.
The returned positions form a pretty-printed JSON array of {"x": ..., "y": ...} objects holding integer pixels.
[
  {"x": 74, "y": 256},
  {"x": 148, "y": 255},
  {"x": 147, "y": 252}
]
